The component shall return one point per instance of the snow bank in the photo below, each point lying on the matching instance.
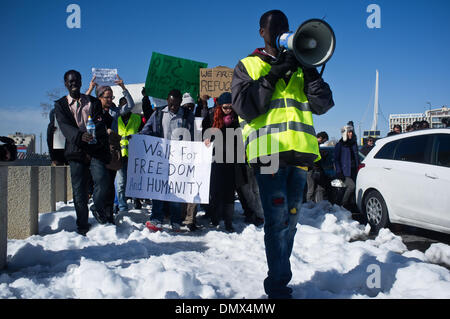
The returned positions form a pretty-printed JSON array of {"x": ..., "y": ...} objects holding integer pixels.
[{"x": 332, "y": 258}]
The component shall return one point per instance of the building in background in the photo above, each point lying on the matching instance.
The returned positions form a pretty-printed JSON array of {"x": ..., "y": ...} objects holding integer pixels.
[
  {"x": 434, "y": 117},
  {"x": 26, "y": 144}
]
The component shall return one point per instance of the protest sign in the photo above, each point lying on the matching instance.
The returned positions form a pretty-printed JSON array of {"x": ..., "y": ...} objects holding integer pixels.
[
  {"x": 166, "y": 73},
  {"x": 198, "y": 127},
  {"x": 168, "y": 170},
  {"x": 105, "y": 77},
  {"x": 215, "y": 81}
]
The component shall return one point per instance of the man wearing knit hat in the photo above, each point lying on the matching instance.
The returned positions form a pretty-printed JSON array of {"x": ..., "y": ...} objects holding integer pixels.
[{"x": 188, "y": 102}]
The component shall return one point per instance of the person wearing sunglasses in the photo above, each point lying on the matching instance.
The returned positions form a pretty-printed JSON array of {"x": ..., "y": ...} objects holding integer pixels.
[{"x": 226, "y": 175}]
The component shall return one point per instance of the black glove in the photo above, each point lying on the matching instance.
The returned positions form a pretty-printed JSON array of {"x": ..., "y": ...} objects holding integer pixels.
[
  {"x": 287, "y": 62},
  {"x": 310, "y": 74}
]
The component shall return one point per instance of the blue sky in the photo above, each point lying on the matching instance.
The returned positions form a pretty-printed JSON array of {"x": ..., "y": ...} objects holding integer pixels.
[{"x": 410, "y": 50}]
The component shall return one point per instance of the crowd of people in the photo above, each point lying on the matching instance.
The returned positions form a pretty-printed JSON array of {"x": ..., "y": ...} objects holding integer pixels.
[
  {"x": 270, "y": 88},
  {"x": 99, "y": 170}
]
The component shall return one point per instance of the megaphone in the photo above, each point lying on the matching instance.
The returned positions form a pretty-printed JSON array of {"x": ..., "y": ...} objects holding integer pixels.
[{"x": 313, "y": 43}]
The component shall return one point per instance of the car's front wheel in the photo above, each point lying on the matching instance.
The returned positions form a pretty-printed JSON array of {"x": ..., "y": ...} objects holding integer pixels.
[{"x": 375, "y": 210}]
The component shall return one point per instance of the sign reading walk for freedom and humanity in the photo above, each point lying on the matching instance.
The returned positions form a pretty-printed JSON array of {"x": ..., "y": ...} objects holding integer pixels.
[
  {"x": 166, "y": 73},
  {"x": 169, "y": 170}
]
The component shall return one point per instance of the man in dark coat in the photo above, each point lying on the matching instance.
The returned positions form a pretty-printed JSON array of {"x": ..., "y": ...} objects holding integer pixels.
[
  {"x": 72, "y": 113},
  {"x": 368, "y": 147},
  {"x": 164, "y": 123}
]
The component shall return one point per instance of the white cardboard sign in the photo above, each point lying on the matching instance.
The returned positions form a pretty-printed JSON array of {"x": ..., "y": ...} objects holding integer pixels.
[
  {"x": 168, "y": 170},
  {"x": 105, "y": 77}
]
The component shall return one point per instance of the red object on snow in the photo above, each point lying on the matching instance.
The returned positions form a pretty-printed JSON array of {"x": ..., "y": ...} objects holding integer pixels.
[{"x": 152, "y": 227}]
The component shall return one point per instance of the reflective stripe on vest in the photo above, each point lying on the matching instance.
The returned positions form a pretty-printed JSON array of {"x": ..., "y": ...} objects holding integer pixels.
[
  {"x": 132, "y": 127},
  {"x": 288, "y": 125}
]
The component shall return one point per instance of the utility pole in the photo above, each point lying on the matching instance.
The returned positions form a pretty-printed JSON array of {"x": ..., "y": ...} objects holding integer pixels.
[
  {"x": 429, "y": 114},
  {"x": 40, "y": 148},
  {"x": 375, "y": 106}
]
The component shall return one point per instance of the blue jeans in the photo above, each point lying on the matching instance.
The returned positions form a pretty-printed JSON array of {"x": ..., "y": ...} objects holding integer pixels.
[
  {"x": 121, "y": 185},
  {"x": 281, "y": 196},
  {"x": 79, "y": 173},
  {"x": 159, "y": 209}
]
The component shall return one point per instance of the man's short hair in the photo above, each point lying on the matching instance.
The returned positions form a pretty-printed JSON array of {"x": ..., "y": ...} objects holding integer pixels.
[
  {"x": 323, "y": 135},
  {"x": 175, "y": 93},
  {"x": 76, "y": 73},
  {"x": 265, "y": 17}
]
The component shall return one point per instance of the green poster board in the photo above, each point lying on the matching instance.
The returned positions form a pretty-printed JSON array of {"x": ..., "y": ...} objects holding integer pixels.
[{"x": 167, "y": 73}]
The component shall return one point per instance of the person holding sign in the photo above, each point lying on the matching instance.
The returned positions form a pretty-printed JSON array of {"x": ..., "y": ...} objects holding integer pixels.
[
  {"x": 105, "y": 95},
  {"x": 275, "y": 98},
  {"x": 164, "y": 123}
]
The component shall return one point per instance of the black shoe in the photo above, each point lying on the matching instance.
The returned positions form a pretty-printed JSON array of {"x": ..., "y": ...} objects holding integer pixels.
[
  {"x": 111, "y": 219},
  {"x": 213, "y": 225},
  {"x": 192, "y": 227},
  {"x": 230, "y": 229},
  {"x": 99, "y": 217},
  {"x": 137, "y": 204},
  {"x": 83, "y": 231}
]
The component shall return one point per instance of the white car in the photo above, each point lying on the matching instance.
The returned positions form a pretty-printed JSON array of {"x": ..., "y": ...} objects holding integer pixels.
[{"x": 405, "y": 179}]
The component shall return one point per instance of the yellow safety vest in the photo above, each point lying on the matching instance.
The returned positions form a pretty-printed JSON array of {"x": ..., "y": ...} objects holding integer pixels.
[
  {"x": 288, "y": 124},
  {"x": 132, "y": 127}
]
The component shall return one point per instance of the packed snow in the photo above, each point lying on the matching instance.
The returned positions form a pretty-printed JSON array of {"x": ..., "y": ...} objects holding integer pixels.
[{"x": 333, "y": 257}]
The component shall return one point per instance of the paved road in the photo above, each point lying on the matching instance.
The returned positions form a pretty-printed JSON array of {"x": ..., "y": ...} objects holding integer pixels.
[{"x": 414, "y": 238}]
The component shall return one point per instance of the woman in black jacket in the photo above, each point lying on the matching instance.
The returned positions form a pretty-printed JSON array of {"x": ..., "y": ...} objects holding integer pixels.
[{"x": 225, "y": 176}]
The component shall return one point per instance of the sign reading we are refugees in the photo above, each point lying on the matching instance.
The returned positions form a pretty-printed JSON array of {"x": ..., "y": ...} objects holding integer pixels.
[
  {"x": 215, "y": 81},
  {"x": 166, "y": 73},
  {"x": 168, "y": 170}
]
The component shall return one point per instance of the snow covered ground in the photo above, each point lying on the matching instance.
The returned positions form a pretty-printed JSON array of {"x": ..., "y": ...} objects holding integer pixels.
[{"x": 332, "y": 258}]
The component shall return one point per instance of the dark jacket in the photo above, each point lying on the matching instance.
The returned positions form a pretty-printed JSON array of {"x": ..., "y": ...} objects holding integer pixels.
[
  {"x": 366, "y": 149},
  {"x": 251, "y": 98},
  {"x": 147, "y": 108},
  {"x": 201, "y": 111},
  {"x": 227, "y": 175},
  {"x": 346, "y": 159},
  {"x": 76, "y": 149}
]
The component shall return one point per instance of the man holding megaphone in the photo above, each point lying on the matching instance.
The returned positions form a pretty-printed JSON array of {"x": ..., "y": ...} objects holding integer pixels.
[{"x": 275, "y": 91}]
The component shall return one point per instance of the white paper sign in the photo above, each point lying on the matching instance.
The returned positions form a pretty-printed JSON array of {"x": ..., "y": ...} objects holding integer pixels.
[
  {"x": 105, "y": 76},
  {"x": 198, "y": 128},
  {"x": 59, "y": 141},
  {"x": 168, "y": 170}
]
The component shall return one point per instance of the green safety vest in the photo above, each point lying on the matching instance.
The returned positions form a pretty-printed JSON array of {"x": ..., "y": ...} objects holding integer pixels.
[
  {"x": 288, "y": 124},
  {"x": 134, "y": 122}
]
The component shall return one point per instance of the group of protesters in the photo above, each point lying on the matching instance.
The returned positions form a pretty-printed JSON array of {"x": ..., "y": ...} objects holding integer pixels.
[{"x": 99, "y": 170}]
